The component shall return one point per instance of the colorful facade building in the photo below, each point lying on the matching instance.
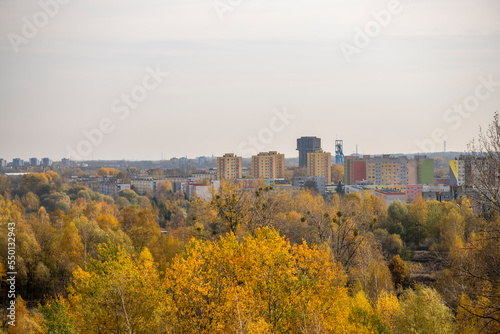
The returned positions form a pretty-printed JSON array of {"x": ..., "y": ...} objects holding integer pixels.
[
  {"x": 457, "y": 172},
  {"x": 389, "y": 170}
]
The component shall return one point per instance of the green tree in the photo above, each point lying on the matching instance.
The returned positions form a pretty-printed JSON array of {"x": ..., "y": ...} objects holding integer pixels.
[
  {"x": 423, "y": 311},
  {"x": 57, "y": 317}
]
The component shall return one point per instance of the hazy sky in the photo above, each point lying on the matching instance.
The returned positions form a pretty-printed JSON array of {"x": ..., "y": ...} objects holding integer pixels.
[{"x": 233, "y": 65}]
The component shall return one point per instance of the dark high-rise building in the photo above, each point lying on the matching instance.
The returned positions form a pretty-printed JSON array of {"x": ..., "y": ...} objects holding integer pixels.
[
  {"x": 46, "y": 162},
  {"x": 307, "y": 145},
  {"x": 17, "y": 162},
  {"x": 34, "y": 162}
]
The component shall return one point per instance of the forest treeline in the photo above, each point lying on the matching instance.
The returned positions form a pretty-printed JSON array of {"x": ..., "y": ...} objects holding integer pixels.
[{"x": 259, "y": 261}]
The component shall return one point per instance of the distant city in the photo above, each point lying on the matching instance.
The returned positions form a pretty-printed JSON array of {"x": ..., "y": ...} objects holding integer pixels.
[{"x": 401, "y": 177}]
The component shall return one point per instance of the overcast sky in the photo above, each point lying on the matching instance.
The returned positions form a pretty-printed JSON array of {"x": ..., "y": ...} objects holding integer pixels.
[{"x": 233, "y": 65}]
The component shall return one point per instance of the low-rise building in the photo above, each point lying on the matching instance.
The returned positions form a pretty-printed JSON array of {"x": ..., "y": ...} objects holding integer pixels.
[
  {"x": 203, "y": 191},
  {"x": 413, "y": 191},
  {"x": 437, "y": 192},
  {"x": 391, "y": 195},
  {"x": 316, "y": 182},
  {"x": 142, "y": 185}
]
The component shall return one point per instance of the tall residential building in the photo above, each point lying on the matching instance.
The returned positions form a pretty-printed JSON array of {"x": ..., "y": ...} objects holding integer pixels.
[
  {"x": 17, "y": 162},
  {"x": 457, "y": 172},
  {"x": 307, "y": 145},
  {"x": 319, "y": 164},
  {"x": 46, "y": 162},
  {"x": 425, "y": 170},
  {"x": 229, "y": 167},
  {"x": 268, "y": 165},
  {"x": 355, "y": 170},
  {"x": 3, "y": 162},
  {"x": 34, "y": 162},
  {"x": 389, "y": 170}
]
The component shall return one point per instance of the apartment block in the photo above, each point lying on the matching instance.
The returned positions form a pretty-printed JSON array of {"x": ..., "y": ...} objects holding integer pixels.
[
  {"x": 46, "y": 162},
  {"x": 17, "y": 162},
  {"x": 413, "y": 191},
  {"x": 425, "y": 171},
  {"x": 142, "y": 185},
  {"x": 229, "y": 166},
  {"x": 268, "y": 165},
  {"x": 34, "y": 162},
  {"x": 388, "y": 170},
  {"x": 457, "y": 172},
  {"x": 319, "y": 165},
  {"x": 356, "y": 171}
]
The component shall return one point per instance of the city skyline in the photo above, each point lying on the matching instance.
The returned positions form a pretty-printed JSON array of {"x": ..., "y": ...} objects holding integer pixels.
[{"x": 197, "y": 79}]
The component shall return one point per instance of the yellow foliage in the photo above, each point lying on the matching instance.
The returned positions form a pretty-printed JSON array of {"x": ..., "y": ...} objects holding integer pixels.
[
  {"x": 26, "y": 321},
  {"x": 71, "y": 245},
  {"x": 262, "y": 285},
  {"x": 107, "y": 221},
  {"x": 117, "y": 293},
  {"x": 388, "y": 307}
]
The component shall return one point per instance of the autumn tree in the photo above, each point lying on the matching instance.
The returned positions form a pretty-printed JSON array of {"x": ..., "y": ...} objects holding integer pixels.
[
  {"x": 387, "y": 307},
  {"x": 107, "y": 171},
  {"x": 35, "y": 182},
  {"x": 230, "y": 203},
  {"x": 423, "y": 311},
  {"x": 415, "y": 227},
  {"x": 370, "y": 273},
  {"x": 140, "y": 225},
  {"x": 263, "y": 285},
  {"x": 116, "y": 293},
  {"x": 345, "y": 239},
  {"x": 399, "y": 272},
  {"x": 264, "y": 205},
  {"x": 337, "y": 173},
  {"x": 27, "y": 321},
  {"x": 57, "y": 317},
  {"x": 398, "y": 216},
  {"x": 472, "y": 283},
  {"x": 483, "y": 162},
  {"x": 31, "y": 202},
  {"x": 163, "y": 190}
]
